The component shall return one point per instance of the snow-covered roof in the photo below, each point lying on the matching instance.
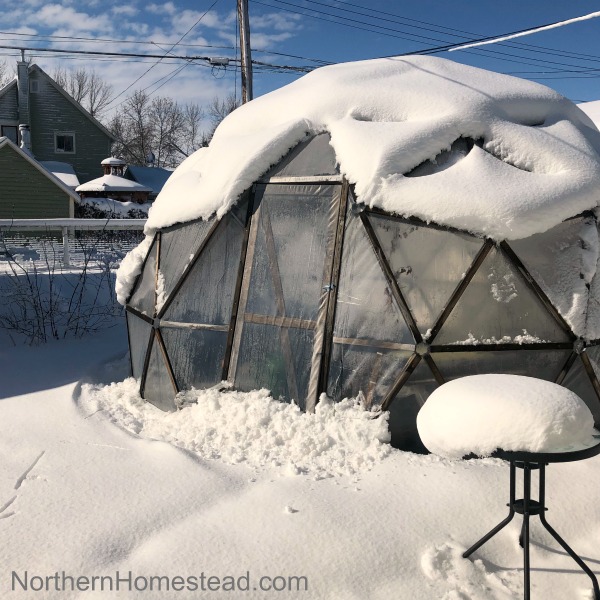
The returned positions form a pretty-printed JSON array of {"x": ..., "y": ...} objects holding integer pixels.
[
  {"x": 152, "y": 177},
  {"x": 592, "y": 110},
  {"x": 111, "y": 160},
  {"x": 112, "y": 183},
  {"x": 538, "y": 161},
  {"x": 64, "y": 171},
  {"x": 4, "y": 141}
]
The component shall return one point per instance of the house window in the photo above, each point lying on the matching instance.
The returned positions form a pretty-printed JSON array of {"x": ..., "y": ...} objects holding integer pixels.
[
  {"x": 64, "y": 142},
  {"x": 34, "y": 86},
  {"x": 11, "y": 132}
]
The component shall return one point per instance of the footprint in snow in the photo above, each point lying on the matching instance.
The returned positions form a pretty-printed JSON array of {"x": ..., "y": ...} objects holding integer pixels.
[{"x": 467, "y": 579}]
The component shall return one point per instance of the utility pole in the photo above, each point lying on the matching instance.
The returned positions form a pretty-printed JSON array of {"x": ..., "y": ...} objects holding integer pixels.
[{"x": 244, "y": 24}]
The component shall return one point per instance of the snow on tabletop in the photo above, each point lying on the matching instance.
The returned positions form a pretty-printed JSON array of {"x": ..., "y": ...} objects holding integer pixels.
[
  {"x": 539, "y": 163},
  {"x": 481, "y": 413},
  {"x": 252, "y": 428}
]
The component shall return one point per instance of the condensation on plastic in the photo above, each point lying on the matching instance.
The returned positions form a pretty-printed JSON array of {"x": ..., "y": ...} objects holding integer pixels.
[
  {"x": 144, "y": 296},
  {"x": 289, "y": 256},
  {"x": 365, "y": 306},
  {"x": 178, "y": 244},
  {"x": 372, "y": 371},
  {"x": 285, "y": 287},
  {"x": 406, "y": 405},
  {"x": 555, "y": 259},
  {"x": 158, "y": 388},
  {"x": 196, "y": 356},
  {"x": 264, "y": 361},
  {"x": 542, "y": 364},
  {"x": 498, "y": 304},
  {"x": 428, "y": 263},
  {"x": 206, "y": 295},
  {"x": 139, "y": 336},
  {"x": 309, "y": 158}
]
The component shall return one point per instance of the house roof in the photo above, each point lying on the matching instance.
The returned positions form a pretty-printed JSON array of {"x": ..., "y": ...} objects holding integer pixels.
[
  {"x": 64, "y": 171},
  {"x": 152, "y": 177},
  {"x": 112, "y": 183},
  {"x": 7, "y": 87},
  {"x": 4, "y": 141}
]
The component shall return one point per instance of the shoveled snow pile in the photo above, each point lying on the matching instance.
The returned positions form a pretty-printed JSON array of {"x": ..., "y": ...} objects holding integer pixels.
[
  {"x": 338, "y": 439},
  {"x": 537, "y": 162},
  {"x": 481, "y": 413}
]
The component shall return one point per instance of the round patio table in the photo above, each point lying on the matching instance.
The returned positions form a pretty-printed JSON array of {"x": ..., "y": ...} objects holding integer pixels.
[{"x": 528, "y": 507}]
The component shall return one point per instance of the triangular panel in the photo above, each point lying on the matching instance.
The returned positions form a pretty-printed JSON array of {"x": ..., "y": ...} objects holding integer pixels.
[
  {"x": 406, "y": 405},
  {"x": 139, "y": 332},
  {"x": 499, "y": 306},
  {"x": 366, "y": 308},
  {"x": 178, "y": 244},
  {"x": 196, "y": 355},
  {"x": 158, "y": 387},
  {"x": 144, "y": 293},
  {"x": 578, "y": 381},
  {"x": 428, "y": 263},
  {"x": 206, "y": 295},
  {"x": 559, "y": 261},
  {"x": 543, "y": 364},
  {"x": 370, "y": 370}
]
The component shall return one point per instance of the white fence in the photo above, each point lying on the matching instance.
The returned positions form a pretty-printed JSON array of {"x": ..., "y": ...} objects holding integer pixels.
[{"x": 67, "y": 228}]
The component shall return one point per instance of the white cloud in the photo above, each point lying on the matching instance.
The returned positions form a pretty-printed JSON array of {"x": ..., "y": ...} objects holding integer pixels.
[
  {"x": 277, "y": 21},
  {"x": 168, "y": 8},
  {"x": 125, "y": 9},
  {"x": 55, "y": 15}
]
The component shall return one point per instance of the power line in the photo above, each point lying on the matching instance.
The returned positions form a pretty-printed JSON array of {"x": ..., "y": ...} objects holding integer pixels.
[{"x": 161, "y": 58}]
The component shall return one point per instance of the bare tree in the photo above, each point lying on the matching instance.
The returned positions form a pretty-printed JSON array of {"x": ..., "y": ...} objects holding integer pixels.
[
  {"x": 5, "y": 73},
  {"x": 217, "y": 111},
  {"x": 158, "y": 126},
  {"x": 86, "y": 87}
]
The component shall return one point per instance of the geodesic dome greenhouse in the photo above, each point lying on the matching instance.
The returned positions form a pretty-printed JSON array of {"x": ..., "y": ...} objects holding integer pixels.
[{"x": 375, "y": 246}]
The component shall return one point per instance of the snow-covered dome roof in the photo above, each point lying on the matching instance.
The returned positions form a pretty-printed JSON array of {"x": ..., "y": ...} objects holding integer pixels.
[
  {"x": 112, "y": 183},
  {"x": 534, "y": 163}
]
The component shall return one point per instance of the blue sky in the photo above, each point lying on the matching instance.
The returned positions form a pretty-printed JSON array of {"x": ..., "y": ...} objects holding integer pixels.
[{"x": 312, "y": 30}]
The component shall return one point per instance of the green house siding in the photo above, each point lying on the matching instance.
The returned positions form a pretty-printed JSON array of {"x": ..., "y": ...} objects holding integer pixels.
[
  {"x": 25, "y": 193},
  {"x": 9, "y": 109},
  {"x": 52, "y": 113}
]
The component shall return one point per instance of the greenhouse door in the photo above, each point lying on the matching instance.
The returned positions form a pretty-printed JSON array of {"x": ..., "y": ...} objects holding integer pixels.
[{"x": 279, "y": 335}]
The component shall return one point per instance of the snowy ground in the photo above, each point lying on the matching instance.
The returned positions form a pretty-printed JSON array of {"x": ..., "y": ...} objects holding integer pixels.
[{"x": 82, "y": 494}]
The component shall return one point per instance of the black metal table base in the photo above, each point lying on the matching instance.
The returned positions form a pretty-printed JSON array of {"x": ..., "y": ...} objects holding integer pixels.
[{"x": 529, "y": 507}]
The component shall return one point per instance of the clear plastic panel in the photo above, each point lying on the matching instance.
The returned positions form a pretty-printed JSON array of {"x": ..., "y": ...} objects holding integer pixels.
[
  {"x": 158, "y": 388},
  {"x": 144, "y": 295},
  {"x": 206, "y": 295},
  {"x": 543, "y": 364},
  {"x": 139, "y": 336},
  {"x": 372, "y": 371},
  {"x": 289, "y": 255},
  {"x": 578, "y": 381},
  {"x": 196, "y": 356},
  {"x": 558, "y": 260},
  {"x": 278, "y": 359},
  {"x": 498, "y": 306},
  {"x": 428, "y": 263},
  {"x": 405, "y": 407},
  {"x": 309, "y": 158},
  {"x": 178, "y": 244},
  {"x": 365, "y": 306}
]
